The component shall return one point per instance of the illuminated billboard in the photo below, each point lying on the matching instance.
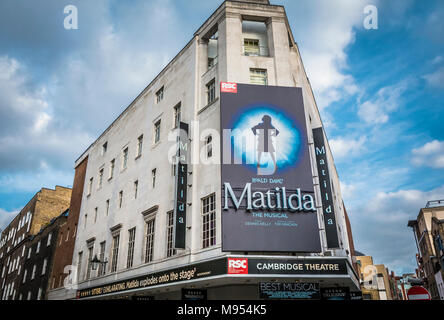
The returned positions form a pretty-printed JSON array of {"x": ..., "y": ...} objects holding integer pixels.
[{"x": 268, "y": 201}]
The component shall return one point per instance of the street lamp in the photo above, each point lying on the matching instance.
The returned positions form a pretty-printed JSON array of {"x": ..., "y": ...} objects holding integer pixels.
[{"x": 96, "y": 262}]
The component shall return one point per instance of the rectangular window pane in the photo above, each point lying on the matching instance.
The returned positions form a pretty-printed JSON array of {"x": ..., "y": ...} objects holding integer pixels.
[
  {"x": 88, "y": 264},
  {"x": 131, "y": 241},
  {"x": 139, "y": 146},
  {"x": 258, "y": 76},
  {"x": 159, "y": 95},
  {"x": 211, "y": 91},
  {"x": 136, "y": 188},
  {"x": 125, "y": 159},
  {"x": 208, "y": 221},
  {"x": 170, "y": 229},
  {"x": 251, "y": 47},
  {"x": 102, "y": 258},
  {"x": 153, "y": 177},
  {"x": 115, "y": 253},
  {"x": 177, "y": 116},
  {"x": 157, "y": 128},
  {"x": 149, "y": 242}
]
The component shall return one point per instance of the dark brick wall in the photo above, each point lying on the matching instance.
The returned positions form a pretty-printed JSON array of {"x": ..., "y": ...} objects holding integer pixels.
[
  {"x": 65, "y": 249},
  {"x": 46, "y": 251}
]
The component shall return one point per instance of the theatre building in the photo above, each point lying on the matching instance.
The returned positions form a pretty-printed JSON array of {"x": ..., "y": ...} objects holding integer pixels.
[{"x": 251, "y": 209}]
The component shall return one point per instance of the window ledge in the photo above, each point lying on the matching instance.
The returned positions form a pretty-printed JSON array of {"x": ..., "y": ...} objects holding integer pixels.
[
  {"x": 138, "y": 157},
  {"x": 209, "y": 69},
  {"x": 155, "y": 144},
  {"x": 208, "y": 106}
]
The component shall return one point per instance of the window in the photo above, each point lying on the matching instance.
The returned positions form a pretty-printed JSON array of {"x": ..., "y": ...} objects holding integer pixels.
[
  {"x": 212, "y": 49},
  {"x": 107, "y": 207},
  {"x": 209, "y": 146},
  {"x": 88, "y": 263},
  {"x": 95, "y": 214},
  {"x": 139, "y": 146},
  {"x": 157, "y": 131},
  {"x": 29, "y": 252},
  {"x": 115, "y": 253},
  {"x": 90, "y": 186},
  {"x": 120, "y": 199},
  {"x": 159, "y": 95},
  {"x": 38, "y": 247},
  {"x": 48, "y": 243},
  {"x": 211, "y": 91},
  {"x": 170, "y": 228},
  {"x": 39, "y": 294},
  {"x": 153, "y": 178},
  {"x": 177, "y": 116},
  {"x": 104, "y": 148},
  {"x": 111, "y": 169},
  {"x": 100, "y": 182},
  {"x": 34, "y": 268},
  {"x": 25, "y": 274},
  {"x": 251, "y": 47},
  {"x": 208, "y": 221},
  {"x": 79, "y": 265},
  {"x": 255, "y": 35},
  {"x": 136, "y": 187},
  {"x": 45, "y": 264},
  {"x": 29, "y": 295},
  {"x": 125, "y": 158},
  {"x": 149, "y": 241},
  {"x": 86, "y": 219},
  {"x": 131, "y": 241},
  {"x": 102, "y": 258},
  {"x": 258, "y": 76}
]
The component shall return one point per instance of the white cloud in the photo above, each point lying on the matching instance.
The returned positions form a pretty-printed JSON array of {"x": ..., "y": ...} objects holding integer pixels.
[
  {"x": 324, "y": 29},
  {"x": 436, "y": 79},
  {"x": 377, "y": 110},
  {"x": 380, "y": 221},
  {"x": 437, "y": 60},
  {"x": 6, "y": 217},
  {"x": 347, "y": 190},
  {"x": 430, "y": 155},
  {"x": 346, "y": 147}
]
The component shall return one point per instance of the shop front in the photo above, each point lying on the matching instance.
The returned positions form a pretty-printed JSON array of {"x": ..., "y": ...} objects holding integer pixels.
[{"x": 238, "y": 278}]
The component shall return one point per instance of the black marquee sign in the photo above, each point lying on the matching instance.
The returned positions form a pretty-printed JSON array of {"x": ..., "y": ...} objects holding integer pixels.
[
  {"x": 325, "y": 186},
  {"x": 180, "y": 197}
]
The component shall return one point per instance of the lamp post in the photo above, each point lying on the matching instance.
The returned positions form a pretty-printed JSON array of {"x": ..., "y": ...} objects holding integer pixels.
[{"x": 95, "y": 263}]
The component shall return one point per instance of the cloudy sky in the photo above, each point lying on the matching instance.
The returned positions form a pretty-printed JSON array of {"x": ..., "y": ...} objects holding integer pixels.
[{"x": 380, "y": 92}]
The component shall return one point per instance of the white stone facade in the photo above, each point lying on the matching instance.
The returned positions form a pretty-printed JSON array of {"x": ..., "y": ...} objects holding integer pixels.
[{"x": 184, "y": 81}]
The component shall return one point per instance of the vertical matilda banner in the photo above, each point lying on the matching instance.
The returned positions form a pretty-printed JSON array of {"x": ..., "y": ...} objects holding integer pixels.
[
  {"x": 268, "y": 200},
  {"x": 325, "y": 186},
  {"x": 180, "y": 200}
]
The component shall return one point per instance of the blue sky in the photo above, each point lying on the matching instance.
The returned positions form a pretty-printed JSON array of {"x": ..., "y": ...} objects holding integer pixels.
[{"x": 380, "y": 92}]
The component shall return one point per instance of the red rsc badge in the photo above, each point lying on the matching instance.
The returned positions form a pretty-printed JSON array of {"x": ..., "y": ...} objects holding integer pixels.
[
  {"x": 237, "y": 266},
  {"x": 229, "y": 87}
]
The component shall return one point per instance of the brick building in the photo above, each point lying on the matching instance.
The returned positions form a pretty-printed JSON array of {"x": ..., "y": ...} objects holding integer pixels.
[
  {"x": 38, "y": 261},
  {"x": 38, "y": 212},
  {"x": 67, "y": 236}
]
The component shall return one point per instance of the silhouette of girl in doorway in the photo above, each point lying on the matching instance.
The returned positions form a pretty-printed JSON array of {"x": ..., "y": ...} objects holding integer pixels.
[{"x": 265, "y": 131}]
